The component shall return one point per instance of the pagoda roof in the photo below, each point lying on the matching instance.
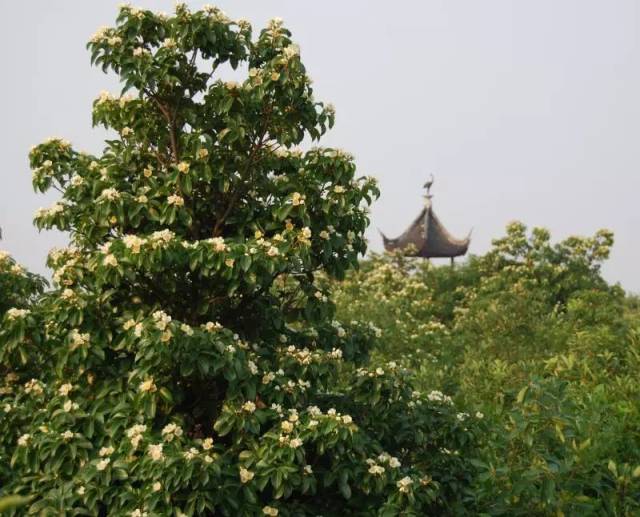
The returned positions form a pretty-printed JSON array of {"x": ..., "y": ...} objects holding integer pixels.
[{"x": 428, "y": 238}]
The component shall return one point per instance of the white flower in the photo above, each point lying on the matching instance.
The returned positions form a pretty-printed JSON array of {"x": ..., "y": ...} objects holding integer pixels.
[
  {"x": 191, "y": 453},
  {"x": 272, "y": 251},
  {"x": 110, "y": 260},
  {"x": 176, "y": 200},
  {"x": 33, "y": 386},
  {"x": 23, "y": 441},
  {"x": 338, "y": 189},
  {"x": 76, "y": 180},
  {"x": 103, "y": 463},
  {"x": 346, "y": 419},
  {"x": 171, "y": 431},
  {"x": 133, "y": 242},
  {"x": 394, "y": 463},
  {"x": 252, "y": 367},
  {"x": 80, "y": 490},
  {"x": 14, "y": 313},
  {"x": 183, "y": 167},
  {"x": 110, "y": 194},
  {"x": 295, "y": 443},
  {"x": 207, "y": 444},
  {"x": 169, "y": 43},
  {"x": 139, "y": 513},
  {"x": 376, "y": 470},
  {"x": 106, "y": 451},
  {"x": 270, "y": 510},
  {"x": 404, "y": 484},
  {"x": 291, "y": 51},
  {"x": 245, "y": 475},
  {"x": 67, "y": 435},
  {"x": 156, "y": 486},
  {"x": 155, "y": 451},
  {"x": 147, "y": 385},
  {"x": 249, "y": 407},
  {"x": 297, "y": 199},
  {"x": 479, "y": 415},
  {"x": 186, "y": 329}
]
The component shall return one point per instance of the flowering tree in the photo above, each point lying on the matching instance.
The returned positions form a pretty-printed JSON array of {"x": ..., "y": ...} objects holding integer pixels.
[{"x": 186, "y": 361}]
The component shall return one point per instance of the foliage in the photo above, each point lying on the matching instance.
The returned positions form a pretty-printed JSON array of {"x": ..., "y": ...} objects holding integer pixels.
[
  {"x": 532, "y": 337},
  {"x": 186, "y": 361}
]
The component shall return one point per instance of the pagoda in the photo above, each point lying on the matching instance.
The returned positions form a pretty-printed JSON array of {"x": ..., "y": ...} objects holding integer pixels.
[{"x": 427, "y": 237}]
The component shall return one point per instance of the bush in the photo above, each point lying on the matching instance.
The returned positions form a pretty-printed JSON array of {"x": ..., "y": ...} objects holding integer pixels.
[{"x": 530, "y": 336}]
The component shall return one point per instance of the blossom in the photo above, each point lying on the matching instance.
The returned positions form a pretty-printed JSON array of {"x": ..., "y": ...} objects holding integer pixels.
[
  {"x": 147, "y": 171},
  {"x": 23, "y": 441},
  {"x": 155, "y": 451},
  {"x": 218, "y": 244},
  {"x": 324, "y": 235},
  {"x": 156, "y": 486},
  {"x": 245, "y": 475},
  {"x": 207, "y": 444},
  {"x": 33, "y": 386},
  {"x": 376, "y": 470},
  {"x": 126, "y": 131},
  {"x": 147, "y": 385},
  {"x": 270, "y": 510},
  {"x": 249, "y": 407},
  {"x": 69, "y": 405},
  {"x": 229, "y": 262},
  {"x": 169, "y": 43},
  {"x": 176, "y": 200},
  {"x": 297, "y": 199},
  {"x": 110, "y": 260},
  {"x": 338, "y": 189},
  {"x": 295, "y": 443},
  {"x": 133, "y": 242},
  {"x": 106, "y": 451},
  {"x": 139, "y": 513},
  {"x": 110, "y": 194},
  {"x": 103, "y": 463},
  {"x": 186, "y": 329},
  {"x": 272, "y": 251},
  {"x": 191, "y": 453},
  {"x": 346, "y": 419},
  {"x": 14, "y": 313},
  {"x": 80, "y": 490},
  {"x": 252, "y": 367},
  {"x": 404, "y": 484},
  {"x": 308, "y": 469},
  {"x": 76, "y": 180},
  {"x": 287, "y": 426},
  {"x": 183, "y": 167},
  {"x": 306, "y": 232},
  {"x": 171, "y": 431},
  {"x": 203, "y": 153},
  {"x": 291, "y": 51}
]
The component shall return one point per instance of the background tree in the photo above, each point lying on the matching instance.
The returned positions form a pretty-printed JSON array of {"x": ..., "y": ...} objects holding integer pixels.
[{"x": 187, "y": 361}]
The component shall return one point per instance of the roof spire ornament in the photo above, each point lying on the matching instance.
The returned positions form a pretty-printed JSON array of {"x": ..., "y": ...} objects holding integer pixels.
[{"x": 427, "y": 236}]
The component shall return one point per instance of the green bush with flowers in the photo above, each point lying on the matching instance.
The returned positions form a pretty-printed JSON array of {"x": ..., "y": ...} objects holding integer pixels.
[
  {"x": 186, "y": 361},
  {"x": 531, "y": 337}
]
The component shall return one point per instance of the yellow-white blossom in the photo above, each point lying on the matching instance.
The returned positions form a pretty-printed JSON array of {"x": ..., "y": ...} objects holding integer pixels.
[
  {"x": 103, "y": 463},
  {"x": 155, "y": 451},
  {"x": 147, "y": 386},
  {"x": 245, "y": 475},
  {"x": 270, "y": 510},
  {"x": 249, "y": 407},
  {"x": 404, "y": 484},
  {"x": 14, "y": 313}
]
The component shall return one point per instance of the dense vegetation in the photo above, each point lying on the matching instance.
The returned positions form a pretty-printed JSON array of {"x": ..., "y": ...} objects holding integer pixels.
[
  {"x": 208, "y": 344},
  {"x": 185, "y": 361},
  {"x": 531, "y": 337}
]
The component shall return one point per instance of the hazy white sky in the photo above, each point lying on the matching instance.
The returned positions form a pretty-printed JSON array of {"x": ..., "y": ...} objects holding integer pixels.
[{"x": 523, "y": 110}]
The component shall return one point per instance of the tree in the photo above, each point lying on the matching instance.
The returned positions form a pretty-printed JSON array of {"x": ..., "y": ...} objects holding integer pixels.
[{"x": 186, "y": 360}]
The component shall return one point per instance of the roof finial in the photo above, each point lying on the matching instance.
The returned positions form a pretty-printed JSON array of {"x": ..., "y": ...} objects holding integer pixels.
[{"x": 428, "y": 185}]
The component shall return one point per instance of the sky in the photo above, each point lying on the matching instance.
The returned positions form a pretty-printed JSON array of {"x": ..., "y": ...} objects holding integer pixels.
[{"x": 521, "y": 110}]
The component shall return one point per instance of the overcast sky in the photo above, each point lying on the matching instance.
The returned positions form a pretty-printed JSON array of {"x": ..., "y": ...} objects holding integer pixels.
[{"x": 524, "y": 110}]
